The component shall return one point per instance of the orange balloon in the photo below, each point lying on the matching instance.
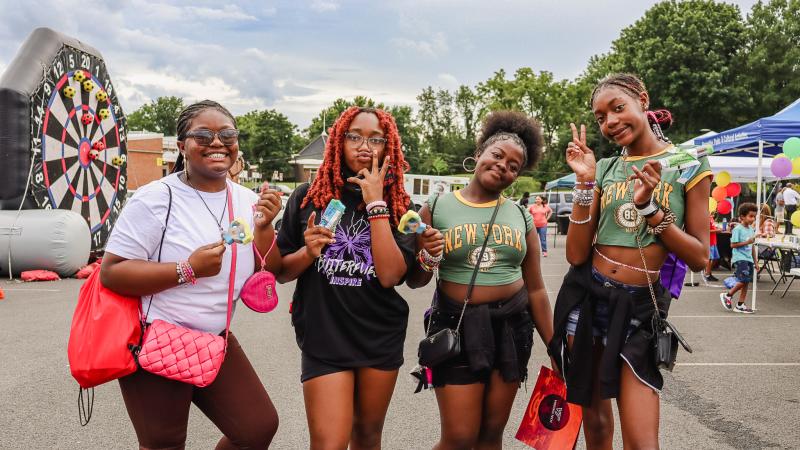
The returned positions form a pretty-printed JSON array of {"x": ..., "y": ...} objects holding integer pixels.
[{"x": 719, "y": 193}]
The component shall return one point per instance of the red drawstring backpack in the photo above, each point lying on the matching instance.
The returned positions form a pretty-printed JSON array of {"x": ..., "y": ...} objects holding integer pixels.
[{"x": 104, "y": 328}]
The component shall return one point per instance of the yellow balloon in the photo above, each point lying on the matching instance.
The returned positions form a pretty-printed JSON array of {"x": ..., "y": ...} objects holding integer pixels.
[
  {"x": 781, "y": 155},
  {"x": 723, "y": 178},
  {"x": 796, "y": 166},
  {"x": 795, "y": 218},
  {"x": 712, "y": 204}
]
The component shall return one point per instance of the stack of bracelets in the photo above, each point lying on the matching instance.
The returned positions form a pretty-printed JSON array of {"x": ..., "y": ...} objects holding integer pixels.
[
  {"x": 427, "y": 262},
  {"x": 583, "y": 197},
  {"x": 185, "y": 273},
  {"x": 377, "y": 210}
]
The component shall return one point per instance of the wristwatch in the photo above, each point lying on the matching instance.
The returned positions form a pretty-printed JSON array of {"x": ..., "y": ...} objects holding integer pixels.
[{"x": 648, "y": 211}]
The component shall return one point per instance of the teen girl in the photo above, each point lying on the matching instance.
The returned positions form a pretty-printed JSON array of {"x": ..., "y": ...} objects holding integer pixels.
[
  {"x": 349, "y": 321},
  {"x": 236, "y": 402},
  {"x": 626, "y": 218},
  {"x": 475, "y": 390}
]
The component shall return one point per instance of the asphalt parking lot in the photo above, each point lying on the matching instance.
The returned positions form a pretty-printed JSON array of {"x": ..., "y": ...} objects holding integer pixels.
[{"x": 739, "y": 389}]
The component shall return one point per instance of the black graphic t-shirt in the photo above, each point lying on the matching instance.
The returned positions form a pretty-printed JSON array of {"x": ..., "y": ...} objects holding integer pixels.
[{"x": 341, "y": 313}]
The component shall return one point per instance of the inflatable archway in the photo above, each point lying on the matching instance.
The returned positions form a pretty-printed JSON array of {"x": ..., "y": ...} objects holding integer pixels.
[{"x": 62, "y": 133}]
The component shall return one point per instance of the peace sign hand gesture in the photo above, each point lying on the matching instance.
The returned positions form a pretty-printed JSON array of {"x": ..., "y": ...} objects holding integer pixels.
[
  {"x": 372, "y": 182},
  {"x": 580, "y": 157}
]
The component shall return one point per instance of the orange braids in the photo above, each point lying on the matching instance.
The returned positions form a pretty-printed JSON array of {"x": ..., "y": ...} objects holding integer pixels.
[{"x": 329, "y": 182}]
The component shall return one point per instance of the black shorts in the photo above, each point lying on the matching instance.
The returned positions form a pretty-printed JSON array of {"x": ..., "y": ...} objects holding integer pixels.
[
  {"x": 311, "y": 367},
  {"x": 457, "y": 371}
]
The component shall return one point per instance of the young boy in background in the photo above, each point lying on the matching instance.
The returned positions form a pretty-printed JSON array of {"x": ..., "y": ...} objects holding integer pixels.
[{"x": 742, "y": 239}]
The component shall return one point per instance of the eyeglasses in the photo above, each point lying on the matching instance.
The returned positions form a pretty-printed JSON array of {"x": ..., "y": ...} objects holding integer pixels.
[
  {"x": 357, "y": 139},
  {"x": 228, "y": 136}
]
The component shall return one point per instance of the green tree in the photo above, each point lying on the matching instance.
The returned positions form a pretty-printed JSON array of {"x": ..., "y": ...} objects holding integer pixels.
[
  {"x": 328, "y": 116},
  {"x": 771, "y": 57},
  {"x": 686, "y": 53},
  {"x": 159, "y": 116},
  {"x": 268, "y": 139}
]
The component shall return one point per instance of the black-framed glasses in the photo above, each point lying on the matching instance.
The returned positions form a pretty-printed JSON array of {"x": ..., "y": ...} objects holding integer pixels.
[
  {"x": 356, "y": 139},
  {"x": 228, "y": 136}
]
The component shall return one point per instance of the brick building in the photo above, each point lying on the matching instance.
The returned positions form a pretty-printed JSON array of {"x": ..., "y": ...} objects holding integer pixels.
[{"x": 145, "y": 158}]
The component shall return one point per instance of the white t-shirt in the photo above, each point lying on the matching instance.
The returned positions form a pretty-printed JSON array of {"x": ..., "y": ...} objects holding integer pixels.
[
  {"x": 137, "y": 233},
  {"x": 790, "y": 196}
]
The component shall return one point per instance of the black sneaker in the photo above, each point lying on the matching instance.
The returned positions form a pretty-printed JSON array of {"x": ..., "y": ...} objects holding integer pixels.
[{"x": 712, "y": 278}]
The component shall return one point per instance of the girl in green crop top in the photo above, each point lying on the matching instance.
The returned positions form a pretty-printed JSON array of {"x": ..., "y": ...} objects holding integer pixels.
[
  {"x": 628, "y": 202},
  {"x": 509, "y": 294}
]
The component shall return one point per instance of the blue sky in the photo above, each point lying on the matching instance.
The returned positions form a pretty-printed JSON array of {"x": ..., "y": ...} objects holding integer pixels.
[{"x": 298, "y": 56}]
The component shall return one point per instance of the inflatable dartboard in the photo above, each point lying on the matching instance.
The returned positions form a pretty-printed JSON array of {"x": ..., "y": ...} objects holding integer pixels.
[{"x": 74, "y": 154}]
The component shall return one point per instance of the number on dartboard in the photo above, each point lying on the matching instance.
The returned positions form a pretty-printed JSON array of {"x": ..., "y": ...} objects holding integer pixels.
[
  {"x": 71, "y": 61},
  {"x": 86, "y": 63},
  {"x": 122, "y": 180},
  {"x": 39, "y": 177}
]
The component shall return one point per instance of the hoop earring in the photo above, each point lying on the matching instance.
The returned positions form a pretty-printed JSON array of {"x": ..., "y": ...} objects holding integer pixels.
[{"x": 464, "y": 163}]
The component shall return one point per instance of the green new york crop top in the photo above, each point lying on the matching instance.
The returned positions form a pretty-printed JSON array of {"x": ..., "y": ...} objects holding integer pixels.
[
  {"x": 619, "y": 221},
  {"x": 465, "y": 224}
]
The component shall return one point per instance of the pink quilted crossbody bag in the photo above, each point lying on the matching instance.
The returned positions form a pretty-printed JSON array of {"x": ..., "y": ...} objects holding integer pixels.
[
  {"x": 258, "y": 292},
  {"x": 183, "y": 354}
]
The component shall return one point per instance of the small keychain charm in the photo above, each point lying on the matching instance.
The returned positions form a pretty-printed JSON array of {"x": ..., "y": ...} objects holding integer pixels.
[{"x": 238, "y": 231}]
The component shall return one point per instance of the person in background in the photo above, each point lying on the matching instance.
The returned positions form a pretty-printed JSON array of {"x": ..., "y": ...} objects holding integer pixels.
[
  {"x": 779, "y": 207},
  {"x": 742, "y": 239},
  {"x": 541, "y": 213},
  {"x": 526, "y": 198},
  {"x": 766, "y": 225},
  {"x": 713, "y": 252},
  {"x": 790, "y": 198}
]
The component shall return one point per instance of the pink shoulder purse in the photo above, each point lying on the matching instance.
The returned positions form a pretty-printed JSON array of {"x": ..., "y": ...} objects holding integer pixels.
[
  {"x": 258, "y": 292},
  {"x": 183, "y": 354}
]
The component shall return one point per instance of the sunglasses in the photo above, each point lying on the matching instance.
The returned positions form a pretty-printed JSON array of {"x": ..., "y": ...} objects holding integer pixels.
[{"x": 228, "y": 136}]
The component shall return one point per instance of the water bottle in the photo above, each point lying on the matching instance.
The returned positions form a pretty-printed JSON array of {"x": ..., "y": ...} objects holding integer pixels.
[
  {"x": 724, "y": 224},
  {"x": 332, "y": 215}
]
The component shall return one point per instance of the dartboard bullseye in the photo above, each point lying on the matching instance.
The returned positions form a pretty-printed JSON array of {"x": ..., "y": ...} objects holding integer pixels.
[{"x": 79, "y": 142}]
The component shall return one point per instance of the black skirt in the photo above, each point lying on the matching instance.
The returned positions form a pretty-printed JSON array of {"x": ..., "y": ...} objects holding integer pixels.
[
  {"x": 579, "y": 289},
  {"x": 494, "y": 336}
]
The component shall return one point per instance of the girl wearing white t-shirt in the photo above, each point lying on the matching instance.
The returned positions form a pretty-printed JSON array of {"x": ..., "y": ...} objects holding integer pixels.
[{"x": 236, "y": 401}]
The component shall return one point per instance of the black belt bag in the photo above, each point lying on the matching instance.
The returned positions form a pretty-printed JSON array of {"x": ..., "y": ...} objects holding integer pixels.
[{"x": 446, "y": 344}]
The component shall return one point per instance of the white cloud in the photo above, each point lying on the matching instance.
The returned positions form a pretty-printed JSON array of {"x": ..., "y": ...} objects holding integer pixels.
[
  {"x": 448, "y": 81},
  {"x": 228, "y": 12},
  {"x": 434, "y": 46},
  {"x": 324, "y": 5}
]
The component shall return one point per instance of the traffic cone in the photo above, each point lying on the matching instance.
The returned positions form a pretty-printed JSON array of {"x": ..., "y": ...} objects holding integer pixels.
[{"x": 2, "y": 294}]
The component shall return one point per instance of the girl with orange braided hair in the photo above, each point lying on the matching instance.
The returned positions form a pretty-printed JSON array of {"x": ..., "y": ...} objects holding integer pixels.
[{"x": 349, "y": 320}]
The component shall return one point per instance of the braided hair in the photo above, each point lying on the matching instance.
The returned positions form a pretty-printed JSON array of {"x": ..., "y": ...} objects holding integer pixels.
[
  {"x": 185, "y": 121},
  {"x": 329, "y": 181},
  {"x": 632, "y": 85}
]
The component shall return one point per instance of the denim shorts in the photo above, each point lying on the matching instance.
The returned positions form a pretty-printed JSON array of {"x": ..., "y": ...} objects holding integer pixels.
[
  {"x": 743, "y": 271},
  {"x": 600, "y": 318},
  {"x": 713, "y": 252}
]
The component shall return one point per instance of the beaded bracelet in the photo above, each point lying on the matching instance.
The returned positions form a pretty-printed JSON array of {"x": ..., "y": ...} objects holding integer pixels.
[
  {"x": 372, "y": 217},
  {"x": 424, "y": 265},
  {"x": 579, "y": 222},
  {"x": 376, "y": 203},
  {"x": 590, "y": 184},
  {"x": 430, "y": 259},
  {"x": 583, "y": 197},
  {"x": 185, "y": 273}
]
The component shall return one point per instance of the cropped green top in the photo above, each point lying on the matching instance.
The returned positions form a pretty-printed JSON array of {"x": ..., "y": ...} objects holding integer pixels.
[
  {"x": 465, "y": 224},
  {"x": 619, "y": 222}
]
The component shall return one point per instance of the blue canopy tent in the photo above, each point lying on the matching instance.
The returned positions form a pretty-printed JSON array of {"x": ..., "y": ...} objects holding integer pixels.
[
  {"x": 764, "y": 136},
  {"x": 567, "y": 181}
]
